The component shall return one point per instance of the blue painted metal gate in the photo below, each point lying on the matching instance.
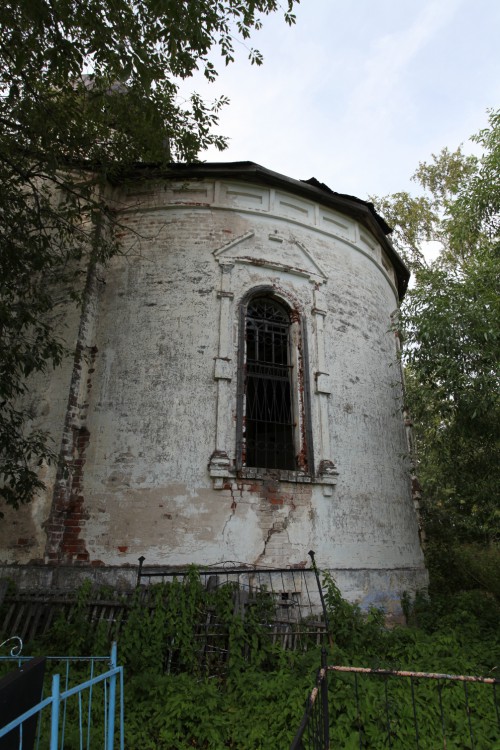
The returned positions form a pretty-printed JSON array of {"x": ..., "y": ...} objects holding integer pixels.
[{"x": 92, "y": 709}]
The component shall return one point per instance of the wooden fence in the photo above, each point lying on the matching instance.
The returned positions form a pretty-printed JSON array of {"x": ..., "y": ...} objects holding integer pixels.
[{"x": 31, "y": 614}]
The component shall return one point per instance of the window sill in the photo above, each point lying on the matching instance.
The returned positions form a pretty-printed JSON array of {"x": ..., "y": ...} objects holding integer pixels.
[
  {"x": 221, "y": 471},
  {"x": 281, "y": 475}
]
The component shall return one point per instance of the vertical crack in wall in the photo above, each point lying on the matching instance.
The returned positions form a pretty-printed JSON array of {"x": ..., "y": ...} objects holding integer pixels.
[
  {"x": 272, "y": 493},
  {"x": 234, "y": 503}
]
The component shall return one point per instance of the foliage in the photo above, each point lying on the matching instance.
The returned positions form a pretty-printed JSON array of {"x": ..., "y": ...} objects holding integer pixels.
[
  {"x": 253, "y": 695},
  {"x": 452, "y": 634},
  {"x": 452, "y": 351},
  {"x": 87, "y": 87},
  {"x": 464, "y": 568},
  {"x": 452, "y": 337},
  {"x": 350, "y": 627},
  {"x": 377, "y": 712}
]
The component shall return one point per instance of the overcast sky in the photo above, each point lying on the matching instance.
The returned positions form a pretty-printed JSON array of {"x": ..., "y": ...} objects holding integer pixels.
[{"x": 358, "y": 92}]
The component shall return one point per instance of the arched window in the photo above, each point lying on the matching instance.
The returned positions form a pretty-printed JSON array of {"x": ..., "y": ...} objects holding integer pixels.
[
  {"x": 270, "y": 409},
  {"x": 269, "y": 419}
]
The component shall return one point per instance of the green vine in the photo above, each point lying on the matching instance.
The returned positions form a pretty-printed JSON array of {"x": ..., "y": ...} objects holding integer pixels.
[{"x": 202, "y": 671}]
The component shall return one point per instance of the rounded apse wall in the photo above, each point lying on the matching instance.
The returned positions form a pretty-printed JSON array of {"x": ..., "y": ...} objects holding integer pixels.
[{"x": 244, "y": 314}]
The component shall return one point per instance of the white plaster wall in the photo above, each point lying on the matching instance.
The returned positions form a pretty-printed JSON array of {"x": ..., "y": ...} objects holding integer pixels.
[{"x": 152, "y": 408}]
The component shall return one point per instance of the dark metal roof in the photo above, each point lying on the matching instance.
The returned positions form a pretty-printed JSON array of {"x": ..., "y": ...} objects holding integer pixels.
[{"x": 312, "y": 189}]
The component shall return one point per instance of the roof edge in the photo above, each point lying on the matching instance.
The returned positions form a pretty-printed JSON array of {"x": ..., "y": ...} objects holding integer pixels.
[{"x": 247, "y": 171}]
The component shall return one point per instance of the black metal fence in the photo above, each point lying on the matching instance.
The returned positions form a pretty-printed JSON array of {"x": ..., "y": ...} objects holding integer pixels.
[
  {"x": 400, "y": 710},
  {"x": 422, "y": 710},
  {"x": 314, "y": 730},
  {"x": 292, "y": 612},
  {"x": 284, "y": 600},
  {"x": 294, "y": 590}
]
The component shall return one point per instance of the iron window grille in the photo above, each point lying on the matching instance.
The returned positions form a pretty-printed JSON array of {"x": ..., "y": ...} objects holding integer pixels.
[{"x": 271, "y": 409}]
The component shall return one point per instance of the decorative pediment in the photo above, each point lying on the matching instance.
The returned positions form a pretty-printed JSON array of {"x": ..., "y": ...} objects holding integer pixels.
[{"x": 277, "y": 252}]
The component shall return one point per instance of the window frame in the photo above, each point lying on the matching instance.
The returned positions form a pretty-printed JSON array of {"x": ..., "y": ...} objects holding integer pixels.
[{"x": 300, "y": 391}]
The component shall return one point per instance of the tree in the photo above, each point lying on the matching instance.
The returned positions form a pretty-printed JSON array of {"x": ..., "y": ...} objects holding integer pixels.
[
  {"x": 450, "y": 322},
  {"x": 87, "y": 87}
]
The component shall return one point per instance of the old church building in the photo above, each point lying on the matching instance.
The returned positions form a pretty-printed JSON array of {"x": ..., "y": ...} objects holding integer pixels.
[{"x": 234, "y": 395}]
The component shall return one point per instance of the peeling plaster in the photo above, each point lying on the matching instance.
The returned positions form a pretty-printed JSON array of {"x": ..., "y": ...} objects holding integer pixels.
[{"x": 144, "y": 419}]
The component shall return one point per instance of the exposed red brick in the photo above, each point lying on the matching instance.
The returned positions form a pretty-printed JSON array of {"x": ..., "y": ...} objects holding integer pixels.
[
  {"x": 276, "y": 500},
  {"x": 67, "y": 520}
]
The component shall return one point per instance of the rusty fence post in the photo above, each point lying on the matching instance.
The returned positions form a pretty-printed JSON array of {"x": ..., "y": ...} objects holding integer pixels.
[
  {"x": 139, "y": 572},
  {"x": 324, "y": 659},
  {"x": 324, "y": 700},
  {"x": 322, "y": 598}
]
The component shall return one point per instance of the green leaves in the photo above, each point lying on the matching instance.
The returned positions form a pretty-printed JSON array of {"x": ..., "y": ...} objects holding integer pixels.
[
  {"x": 415, "y": 221},
  {"x": 87, "y": 87},
  {"x": 451, "y": 336},
  {"x": 257, "y": 701},
  {"x": 452, "y": 344}
]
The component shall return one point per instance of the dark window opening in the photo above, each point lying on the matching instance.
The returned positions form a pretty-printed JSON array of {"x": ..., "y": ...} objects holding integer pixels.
[{"x": 269, "y": 419}]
